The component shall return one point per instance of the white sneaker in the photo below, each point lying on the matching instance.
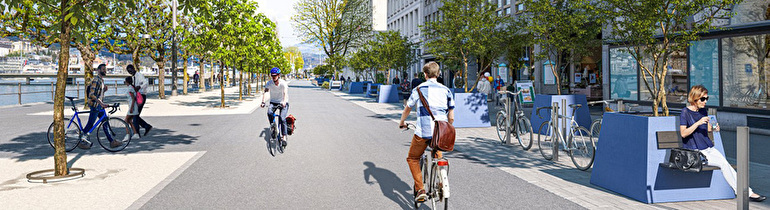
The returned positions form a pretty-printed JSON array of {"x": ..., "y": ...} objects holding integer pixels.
[
  {"x": 127, "y": 137},
  {"x": 136, "y": 136}
]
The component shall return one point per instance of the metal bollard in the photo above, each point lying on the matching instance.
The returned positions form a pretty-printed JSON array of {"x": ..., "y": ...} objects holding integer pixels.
[
  {"x": 620, "y": 106},
  {"x": 52, "y": 91},
  {"x": 19, "y": 93},
  {"x": 116, "y": 87},
  {"x": 743, "y": 167},
  {"x": 77, "y": 88}
]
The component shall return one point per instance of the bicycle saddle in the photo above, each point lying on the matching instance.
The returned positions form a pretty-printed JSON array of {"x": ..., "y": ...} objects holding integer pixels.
[{"x": 575, "y": 105}]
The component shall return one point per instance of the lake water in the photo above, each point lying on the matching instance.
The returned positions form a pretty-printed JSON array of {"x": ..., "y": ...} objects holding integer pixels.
[{"x": 10, "y": 86}]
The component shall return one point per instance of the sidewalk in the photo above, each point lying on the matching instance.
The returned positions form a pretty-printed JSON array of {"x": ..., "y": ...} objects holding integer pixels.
[
  {"x": 560, "y": 178},
  {"x": 192, "y": 104},
  {"x": 129, "y": 178}
]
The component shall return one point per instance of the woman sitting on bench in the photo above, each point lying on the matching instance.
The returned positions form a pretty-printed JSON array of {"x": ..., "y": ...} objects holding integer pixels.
[{"x": 694, "y": 127}]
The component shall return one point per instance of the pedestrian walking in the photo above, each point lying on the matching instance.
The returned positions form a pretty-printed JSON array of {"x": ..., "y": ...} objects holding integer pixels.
[
  {"x": 196, "y": 78},
  {"x": 396, "y": 81},
  {"x": 140, "y": 83},
  {"x": 133, "y": 105}
]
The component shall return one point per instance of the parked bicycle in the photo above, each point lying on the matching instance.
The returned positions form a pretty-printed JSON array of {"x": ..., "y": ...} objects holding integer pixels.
[
  {"x": 435, "y": 178},
  {"x": 596, "y": 125},
  {"x": 521, "y": 127},
  {"x": 580, "y": 147},
  {"x": 112, "y": 129},
  {"x": 275, "y": 145}
]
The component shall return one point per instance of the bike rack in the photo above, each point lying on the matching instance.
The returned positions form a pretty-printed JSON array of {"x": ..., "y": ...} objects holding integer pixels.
[{"x": 74, "y": 173}]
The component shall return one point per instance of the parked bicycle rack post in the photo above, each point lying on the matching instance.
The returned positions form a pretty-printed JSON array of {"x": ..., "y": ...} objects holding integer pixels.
[
  {"x": 19, "y": 93},
  {"x": 743, "y": 167},
  {"x": 555, "y": 118},
  {"x": 620, "y": 106}
]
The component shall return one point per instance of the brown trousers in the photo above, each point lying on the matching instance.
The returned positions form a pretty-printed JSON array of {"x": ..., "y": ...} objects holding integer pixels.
[{"x": 416, "y": 149}]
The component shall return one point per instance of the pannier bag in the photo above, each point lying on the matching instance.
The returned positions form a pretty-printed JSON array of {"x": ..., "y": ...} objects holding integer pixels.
[
  {"x": 290, "y": 121},
  {"x": 443, "y": 131}
]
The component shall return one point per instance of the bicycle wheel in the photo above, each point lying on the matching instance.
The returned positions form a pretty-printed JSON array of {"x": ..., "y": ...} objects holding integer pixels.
[
  {"x": 582, "y": 149},
  {"x": 437, "y": 199},
  {"x": 545, "y": 140},
  {"x": 524, "y": 133},
  {"x": 502, "y": 131},
  {"x": 71, "y": 135},
  {"x": 596, "y": 128},
  {"x": 114, "y": 130},
  {"x": 271, "y": 144}
]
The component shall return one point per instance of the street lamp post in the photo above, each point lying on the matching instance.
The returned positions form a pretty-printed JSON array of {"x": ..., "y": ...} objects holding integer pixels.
[{"x": 173, "y": 49}]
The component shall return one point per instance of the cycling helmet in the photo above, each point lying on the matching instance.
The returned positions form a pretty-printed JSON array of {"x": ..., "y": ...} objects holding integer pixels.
[{"x": 275, "y": 70}]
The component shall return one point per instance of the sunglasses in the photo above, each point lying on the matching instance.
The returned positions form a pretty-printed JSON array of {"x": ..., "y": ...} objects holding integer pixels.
[{"x": 704, "y": 99}]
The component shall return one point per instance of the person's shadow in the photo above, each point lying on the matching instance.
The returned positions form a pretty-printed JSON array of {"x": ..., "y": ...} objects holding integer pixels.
[{"x": 390, "y": 185}]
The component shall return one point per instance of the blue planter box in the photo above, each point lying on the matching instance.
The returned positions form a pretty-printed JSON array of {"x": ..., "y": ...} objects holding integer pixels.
[
  {"x": 627, "y": 162},
  {"x": 583, "y": 117},
  {"x": 370, "y": 89},
  {"x": 388, "y": 94},
  {"x": 471, "y": 110},
  {"x": 356, "y": 88}
]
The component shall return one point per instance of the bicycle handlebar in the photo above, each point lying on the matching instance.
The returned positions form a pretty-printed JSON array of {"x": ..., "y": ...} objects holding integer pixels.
[
  {"x": 115, "y": 107},
  {"x": 406, "y": 128},
  {"x": 538, "y": 111},
  {"x": 509, "y": 92},
  {"x": 605, "y": 102}
]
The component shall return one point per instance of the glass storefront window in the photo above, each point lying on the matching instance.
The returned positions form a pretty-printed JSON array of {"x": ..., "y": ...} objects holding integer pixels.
[
  {"x": 675, "y": 82},
  {"x": 623, "y": 75},
  {"x": 704, "y": 68},
  {"x": 744, "y": 67}
]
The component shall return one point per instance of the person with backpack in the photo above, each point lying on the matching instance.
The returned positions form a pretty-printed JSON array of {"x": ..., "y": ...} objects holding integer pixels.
[
  {"x": 441, "y": 104},
  {"x": 140, "y": 86}
]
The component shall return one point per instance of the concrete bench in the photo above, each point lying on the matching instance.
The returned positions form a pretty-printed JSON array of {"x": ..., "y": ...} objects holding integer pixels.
[{"x": 372, "y": 89}]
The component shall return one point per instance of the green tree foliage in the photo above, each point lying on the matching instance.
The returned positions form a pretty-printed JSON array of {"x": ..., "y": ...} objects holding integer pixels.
[
  {"x": 54, "y": 21},
  {"x": 468, "y": 29},
  {"x": 562, "y": 28},
  {"x": 336, "y": 25},
  {"x": 654, "y": 29}
]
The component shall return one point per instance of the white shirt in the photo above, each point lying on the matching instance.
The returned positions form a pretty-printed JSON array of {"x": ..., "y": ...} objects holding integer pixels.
[
  {"x": 483, "y": 86},
  {"x": 141, "y": 82},
  {"x": 278, "y": 93}
]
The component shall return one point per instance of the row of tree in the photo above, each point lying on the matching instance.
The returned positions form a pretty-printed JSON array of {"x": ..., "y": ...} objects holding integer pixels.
[{"x": 227, "y": 33}]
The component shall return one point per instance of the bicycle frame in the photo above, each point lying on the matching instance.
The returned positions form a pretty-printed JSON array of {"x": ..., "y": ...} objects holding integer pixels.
[{"x": 80, "y": 123}]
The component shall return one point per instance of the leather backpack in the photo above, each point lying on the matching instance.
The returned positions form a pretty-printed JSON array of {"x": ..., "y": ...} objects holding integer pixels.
[{"x": 443, "y": 131}]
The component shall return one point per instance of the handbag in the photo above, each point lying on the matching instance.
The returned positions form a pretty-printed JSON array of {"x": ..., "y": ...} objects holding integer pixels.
[
  {"x": 687, "y": 160},
  {"x": 139, "y": 98},
  {"x": 443, "y": 131}
]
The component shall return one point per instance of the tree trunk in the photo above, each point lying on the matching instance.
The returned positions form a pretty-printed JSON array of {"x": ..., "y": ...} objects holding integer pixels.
[
  {"x": 60, "y": 155},
  {"x": 251, "y": 80},
  {"x": 221, "y": 83},
  {"x": 186, "y": 77},
  {"x": 211, "y": 79},
  {"x": 465, "y": 74},
  {"x": 161, "y": 77},
  {"x": 135, "y": 56},
  {"x": 240, "y": 85},
  {"x": 88, "y": 68},
  {"x": 234, "y": 80},
  {"x": 174, "y": 82},
  {"x": 201, "y": 76}
]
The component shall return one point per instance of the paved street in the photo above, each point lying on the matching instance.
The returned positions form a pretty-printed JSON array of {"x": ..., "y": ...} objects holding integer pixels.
[{"x": 338, "y": 147}]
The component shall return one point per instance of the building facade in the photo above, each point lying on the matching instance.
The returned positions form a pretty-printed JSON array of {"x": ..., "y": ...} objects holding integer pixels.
[
  {"x": 731, "y": 63},
  {"x": 405, "y": 16}
]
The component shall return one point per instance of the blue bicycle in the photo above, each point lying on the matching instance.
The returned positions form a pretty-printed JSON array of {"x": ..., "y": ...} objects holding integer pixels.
[{"x": 113, "y": 129}]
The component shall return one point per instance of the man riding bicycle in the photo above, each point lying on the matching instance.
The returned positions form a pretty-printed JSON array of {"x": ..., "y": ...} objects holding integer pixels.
[
  {"x": 279, "y": 95},
  {"x": 442, "y": 104}
]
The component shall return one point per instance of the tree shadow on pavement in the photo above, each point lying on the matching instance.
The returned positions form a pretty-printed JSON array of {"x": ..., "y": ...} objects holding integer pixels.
[
  {"x": 34, "y": 146},
  {"x": 391, "y": 186},
  {"x": 477, "y": 103}
]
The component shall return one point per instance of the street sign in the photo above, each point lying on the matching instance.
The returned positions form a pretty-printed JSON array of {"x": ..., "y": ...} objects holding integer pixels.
[
  {"x": 548, "y": 76},
  {"x": 502, "y": 71},
  {"x": 527, "y": 95}
]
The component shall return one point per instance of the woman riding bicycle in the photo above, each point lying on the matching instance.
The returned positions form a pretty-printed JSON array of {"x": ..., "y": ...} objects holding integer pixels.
[
  {"x": 442, "y": 105},
  {"x": 279, "y": 95}
]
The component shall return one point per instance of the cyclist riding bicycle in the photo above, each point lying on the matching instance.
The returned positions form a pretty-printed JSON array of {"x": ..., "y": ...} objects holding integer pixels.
[
  {"x": 442, "y": 105},
  {"x": 279, "y": 95}
]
